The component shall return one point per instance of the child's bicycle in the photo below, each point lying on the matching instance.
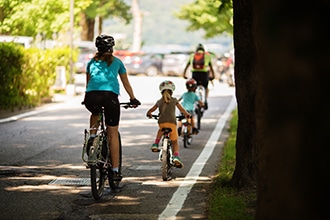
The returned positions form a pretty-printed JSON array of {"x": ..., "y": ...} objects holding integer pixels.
[
  {"x": 186, "y": 130},
  {"x": 166, "y": 154},
  {"x": 199, "y": 110},
  {"x": 96, "y": 157}
]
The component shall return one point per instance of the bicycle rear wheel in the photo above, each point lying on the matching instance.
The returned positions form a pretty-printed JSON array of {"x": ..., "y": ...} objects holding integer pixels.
[
  {"x": 98, "y": 177},
  {"x": 199, "y": 117},
  {"x": 166, "y": 161},
  {"x": 114, "y": 182},
  {"x": 185, "y": 140}
]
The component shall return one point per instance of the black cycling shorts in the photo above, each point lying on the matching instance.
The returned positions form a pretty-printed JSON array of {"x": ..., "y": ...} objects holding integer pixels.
[
  {"x": 202, "y": 78},
  {"x": 94, "y": 100}
]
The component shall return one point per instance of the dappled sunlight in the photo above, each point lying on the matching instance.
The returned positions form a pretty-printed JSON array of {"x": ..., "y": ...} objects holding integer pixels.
[
  {"x": 157, "y": 180},
  {"x": 52, "y": 118},
  {"x": 44, "y": 177},
  {"x": 58, "y": 189},
  {"x": 127, "y": 200},
  {"x": 137, "y": 123},
  {"x": 68, "y": 166},
  {"x": 209, "y": 120}
]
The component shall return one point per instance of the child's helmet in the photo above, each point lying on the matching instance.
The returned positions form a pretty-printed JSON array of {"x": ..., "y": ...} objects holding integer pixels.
[
  {"x": 167, "y": 84},
  {"x": 191, "y": 83},
  {"x": 200, "y": 47},
  {"x": 104, "y": 42}
]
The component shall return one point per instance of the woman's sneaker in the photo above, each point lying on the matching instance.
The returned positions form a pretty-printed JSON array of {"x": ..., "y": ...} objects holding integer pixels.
[
  {"x": 117, "y": 176},
  {"x": 154, "y": 148},
  {"x": 177, "y": 162},
  {"x": 195, "y": 131}
]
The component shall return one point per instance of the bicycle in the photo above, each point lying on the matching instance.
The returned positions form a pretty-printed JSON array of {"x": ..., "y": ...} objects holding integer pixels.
[
  {"x": 165, "y": 153},
  {"x": 96, "y": 157},
  {"x": 199, "y": 110},
  {"x": 186, "y": 131}
]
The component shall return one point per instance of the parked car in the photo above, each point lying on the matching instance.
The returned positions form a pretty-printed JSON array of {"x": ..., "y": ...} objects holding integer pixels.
[
  {"x": 174, "y": 63},
  {"x": 148, "y": 64},
  {"x": 84, "y": 56}
]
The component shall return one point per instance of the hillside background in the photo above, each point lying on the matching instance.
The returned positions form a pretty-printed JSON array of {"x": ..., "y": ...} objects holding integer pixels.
[{"x": 160, "y": 27}]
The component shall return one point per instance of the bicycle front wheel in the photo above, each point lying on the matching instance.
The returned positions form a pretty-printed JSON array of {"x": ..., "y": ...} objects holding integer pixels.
[
  {"x": 114, "y": 181},
  {"x": 98, "y": 177}
]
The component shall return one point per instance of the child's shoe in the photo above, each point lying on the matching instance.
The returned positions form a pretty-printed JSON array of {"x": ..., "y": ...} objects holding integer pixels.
[
  {"x": 195, "y": 131},
  {"x": 154, "y": 148},
  {"x": 177, "y": 162}
]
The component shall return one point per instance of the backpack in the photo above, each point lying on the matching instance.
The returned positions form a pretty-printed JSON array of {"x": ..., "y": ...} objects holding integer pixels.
[{"x": 198, "y": 61}]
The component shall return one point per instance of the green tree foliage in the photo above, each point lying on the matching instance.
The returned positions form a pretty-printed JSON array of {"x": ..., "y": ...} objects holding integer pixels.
[
  {"x": 30, "y": 17},
  {"x": 102, "y": 9},
  {"x": 110, "y": 8},
  {"x": 212, "y": 16}
]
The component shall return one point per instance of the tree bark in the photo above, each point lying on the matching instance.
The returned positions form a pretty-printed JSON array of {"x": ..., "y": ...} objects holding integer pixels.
[
  {"x": 87, "y": 25},
  {"x": 137, "y": 34},
  {"x": 245, "y": 174},
  {"x": 292, "y": 85}
]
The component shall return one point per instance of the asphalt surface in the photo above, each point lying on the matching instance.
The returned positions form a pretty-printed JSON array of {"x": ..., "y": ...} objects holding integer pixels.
[{"x": 35, "y": 153}]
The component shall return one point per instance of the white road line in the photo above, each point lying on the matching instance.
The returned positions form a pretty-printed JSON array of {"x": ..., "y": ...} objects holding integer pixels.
[{"x": 178, "y": 198}]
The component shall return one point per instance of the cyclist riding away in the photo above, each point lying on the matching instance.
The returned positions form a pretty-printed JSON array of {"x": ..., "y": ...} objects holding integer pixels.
[
  {"x": 102, "y": 90},
  {"x": 202, "y": 70},
  {"x": 189, "y": 99},
  {"x": 167, "y": 118}
]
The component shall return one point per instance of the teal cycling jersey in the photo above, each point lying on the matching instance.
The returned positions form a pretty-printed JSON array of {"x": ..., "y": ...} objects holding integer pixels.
[
  {"x": 104, "y": 77},
  {"x": 188, "y": 100}
]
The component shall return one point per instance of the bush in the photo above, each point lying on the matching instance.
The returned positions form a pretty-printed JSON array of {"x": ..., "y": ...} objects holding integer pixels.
[
  {"x": 12, "y": 87},
  {"x": 26, "y": 75}
]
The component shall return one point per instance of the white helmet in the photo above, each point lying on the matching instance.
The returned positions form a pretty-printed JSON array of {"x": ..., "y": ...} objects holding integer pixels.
[{"x": 167, "y": 84}]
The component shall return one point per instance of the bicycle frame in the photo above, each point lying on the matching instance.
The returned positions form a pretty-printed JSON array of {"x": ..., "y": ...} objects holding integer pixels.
[
  {"x": 201, "y": 93},
  {"x": 186, "y": 131},
  {"x": 165, "y": 155},
  {"x": 98, "y": 158},
  {"x": 97, "y": 151}
]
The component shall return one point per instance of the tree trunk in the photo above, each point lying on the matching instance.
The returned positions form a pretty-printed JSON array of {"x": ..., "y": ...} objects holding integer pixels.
[
  {"x": 292, "y": 72},
  {"x": 87, "y": 24},
  {"x": 100, "y": 25},
  {"x": 137, "y": 34},
  {"x": 245, "y": 173}
]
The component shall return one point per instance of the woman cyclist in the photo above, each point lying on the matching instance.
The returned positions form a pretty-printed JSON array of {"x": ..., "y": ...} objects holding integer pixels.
[
  {"x": 167, "y": 118},
  {"x": 102, "y": 90}
]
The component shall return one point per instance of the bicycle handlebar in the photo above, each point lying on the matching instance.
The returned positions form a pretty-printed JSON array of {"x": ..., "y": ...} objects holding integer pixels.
[
  {"x": 157, "y": 116},
  {"x": 125, "y": 105}
]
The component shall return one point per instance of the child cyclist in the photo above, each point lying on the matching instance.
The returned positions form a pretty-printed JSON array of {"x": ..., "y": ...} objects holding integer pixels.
[
  {"x": 167, "y": 118},
  {"x": 189, "y": 99}
]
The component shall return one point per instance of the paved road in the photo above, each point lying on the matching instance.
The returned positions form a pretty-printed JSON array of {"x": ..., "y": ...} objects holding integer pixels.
[{"x": 44, "y": 147}]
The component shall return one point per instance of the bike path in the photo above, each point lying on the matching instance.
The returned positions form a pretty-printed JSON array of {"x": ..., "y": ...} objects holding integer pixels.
[{"x": 179, "y": 197}]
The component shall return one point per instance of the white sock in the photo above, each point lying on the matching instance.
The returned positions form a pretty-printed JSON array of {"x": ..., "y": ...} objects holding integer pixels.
[{"x": 115, "y": 169}]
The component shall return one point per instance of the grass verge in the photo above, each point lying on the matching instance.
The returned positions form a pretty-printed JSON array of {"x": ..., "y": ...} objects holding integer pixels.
[{"x": 225, "y": 202}]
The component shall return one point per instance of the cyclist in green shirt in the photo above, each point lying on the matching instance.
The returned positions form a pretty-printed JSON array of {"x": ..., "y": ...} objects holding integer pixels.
[{"x": 201, "y": 73}]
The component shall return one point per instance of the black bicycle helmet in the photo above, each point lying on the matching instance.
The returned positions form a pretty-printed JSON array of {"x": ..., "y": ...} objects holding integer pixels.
[{"x": 104, "y": 42}]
